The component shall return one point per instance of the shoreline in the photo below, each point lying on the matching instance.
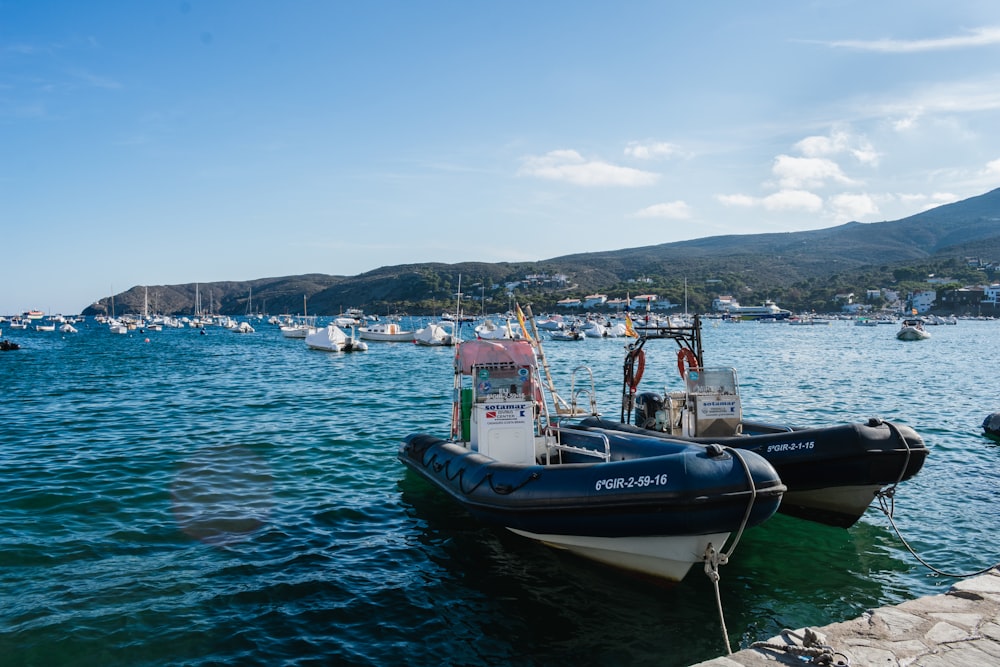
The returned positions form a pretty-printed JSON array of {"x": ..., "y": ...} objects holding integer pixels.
[{"x": 953, "y": 629}]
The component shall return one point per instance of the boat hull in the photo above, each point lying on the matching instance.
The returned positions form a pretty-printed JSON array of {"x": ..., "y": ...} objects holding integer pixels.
[
  {"x": 389, "y": 332},
  {"x": 669, "y": 558},
  {"x": 403, "y": 337},
  {"x": 833, "y": 474},
  {"x": 912, "y": 334},
  {"x": 625, "y": 512}
]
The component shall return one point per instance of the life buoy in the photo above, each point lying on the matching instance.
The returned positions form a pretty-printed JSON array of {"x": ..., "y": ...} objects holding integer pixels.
[
  {"x": 635, "y": 365},
  {"x": 688, "y": 355}
]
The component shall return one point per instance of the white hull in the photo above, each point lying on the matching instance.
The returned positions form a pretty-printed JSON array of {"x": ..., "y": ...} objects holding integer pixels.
[
  {"x": 295, "y": 332},
  {"x": 846, "y": 500},
  {"x": 433, "y": 336},
  {"x": 566, "y": 335},
  {"x": 389, "y": 333},
  {"x": 666, "y": 557},
  {"x": 333, "y": 339},
  {"x": 911, "y": 333},
  {"x": 404, "y": 337}
]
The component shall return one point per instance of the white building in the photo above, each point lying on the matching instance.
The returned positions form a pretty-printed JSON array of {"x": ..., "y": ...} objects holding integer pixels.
[{"x": 923, "y": 300}]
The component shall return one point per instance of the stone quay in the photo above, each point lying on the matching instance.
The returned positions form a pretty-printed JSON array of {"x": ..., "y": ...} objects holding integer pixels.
[{"x": 960, "y": 628}]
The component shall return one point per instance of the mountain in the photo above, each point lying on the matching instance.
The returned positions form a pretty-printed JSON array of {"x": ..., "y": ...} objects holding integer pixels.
[
  {"x": 968, "y": 227},
  {"x": 795, "y": 266}
]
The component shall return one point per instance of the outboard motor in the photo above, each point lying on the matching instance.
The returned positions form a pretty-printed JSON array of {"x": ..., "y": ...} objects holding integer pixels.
[{"x": 647, "y": 404}]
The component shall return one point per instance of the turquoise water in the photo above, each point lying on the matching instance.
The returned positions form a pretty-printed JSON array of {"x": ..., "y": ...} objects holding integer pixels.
[{"x": 173, "y": 498}]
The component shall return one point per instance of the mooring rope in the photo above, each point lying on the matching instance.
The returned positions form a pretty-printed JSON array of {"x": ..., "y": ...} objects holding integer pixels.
[
  {"x": 887, "y": 504},
  {"x": 809, "y": 647},
  {"x": 714, "y": 558}
]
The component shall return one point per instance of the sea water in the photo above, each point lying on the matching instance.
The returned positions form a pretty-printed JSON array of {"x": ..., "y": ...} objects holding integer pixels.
[{"x": 179, "y": 498}]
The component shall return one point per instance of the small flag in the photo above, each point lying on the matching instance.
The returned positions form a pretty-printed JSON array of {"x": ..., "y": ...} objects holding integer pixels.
[
  {"x": 629, "y": 330},
  {"x": 520, "y": 320}
]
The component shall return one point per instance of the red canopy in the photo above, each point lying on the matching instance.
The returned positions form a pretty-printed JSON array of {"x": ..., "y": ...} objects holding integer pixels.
[{"x": 478, "y": 352}]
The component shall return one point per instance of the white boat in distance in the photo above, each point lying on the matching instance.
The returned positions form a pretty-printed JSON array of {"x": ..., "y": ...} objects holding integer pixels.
[
  {"x": 913, "y": 329},
  {"x": 490, "y": 330},
  {"x": 434, "y": 335},
  {"x": 568, "y": 334},
  {"x": 297, "y": 327},
  {"x": 385, "y": 331},
  {"x": 332, "y": 338},
  {"x": 768, "y": 311},
  {"x": 551, "y": 323}
]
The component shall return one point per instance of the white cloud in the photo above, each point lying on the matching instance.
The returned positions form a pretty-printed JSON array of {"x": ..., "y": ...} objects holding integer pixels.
[
  {"x": 923, "y": 202},
  {"x": 978, "y": 37},
  {"x": 938, "y": 198},
  {"x": 992, "y": 167},
  {"x": 650, "y": 151},
  {"x": 836, "y": 143},
  {"x": 952, "y": 97},
  {"x": 745, "y": 201},
  {"x": 907, "y": 121},
  {"x": 571, "y": 167},
  {"x": 675, "y": 210},
  {"x": 784, "y": 200},
  {"x": 792, "y": 200},
  {"x": 807, "y": 172},
  {"x": 846, "y": 207}
]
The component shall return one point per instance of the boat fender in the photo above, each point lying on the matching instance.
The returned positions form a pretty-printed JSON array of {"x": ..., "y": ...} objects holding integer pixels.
[
  {"x": 991, "y": 426},
  {"x": 686, "y": 355},
  {"x": 635, "y": 366}
]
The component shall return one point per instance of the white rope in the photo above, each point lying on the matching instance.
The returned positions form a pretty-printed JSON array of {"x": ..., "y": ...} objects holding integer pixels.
[
  {"x": 714, "y": 558},
  {"x": 887, "y": 504},
  {"x": 809, "y": 646}
]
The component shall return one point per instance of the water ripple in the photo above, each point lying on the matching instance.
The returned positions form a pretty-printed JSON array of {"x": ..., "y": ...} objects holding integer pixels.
[{"x": 224, "y": 499}]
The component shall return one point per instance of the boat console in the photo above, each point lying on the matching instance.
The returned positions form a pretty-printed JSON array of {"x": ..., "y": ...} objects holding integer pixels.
[
  {"x": 502, "y": 412},
  {"x": 710, "y": 406}
]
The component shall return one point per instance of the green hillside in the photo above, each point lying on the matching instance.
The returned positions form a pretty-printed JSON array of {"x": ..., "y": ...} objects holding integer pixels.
[{"x": 801, "y": 270}]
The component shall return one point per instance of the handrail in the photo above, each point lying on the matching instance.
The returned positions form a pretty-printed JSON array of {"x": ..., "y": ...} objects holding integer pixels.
[
  {"x": 573, "y": 393},
  {"x": 585, "y": 451}
]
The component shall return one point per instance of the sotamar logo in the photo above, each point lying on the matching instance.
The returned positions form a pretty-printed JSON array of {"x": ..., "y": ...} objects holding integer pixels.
[{"x": 491, "y": 414}]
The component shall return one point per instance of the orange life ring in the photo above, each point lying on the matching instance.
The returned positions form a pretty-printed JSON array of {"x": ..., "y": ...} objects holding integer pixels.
[
  {"x": 634, "y": 368},
  {"x": 688, "y": 355}
]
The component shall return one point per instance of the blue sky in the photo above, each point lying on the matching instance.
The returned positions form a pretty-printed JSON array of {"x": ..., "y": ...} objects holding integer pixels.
[{"x": 147, "y": 142}]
